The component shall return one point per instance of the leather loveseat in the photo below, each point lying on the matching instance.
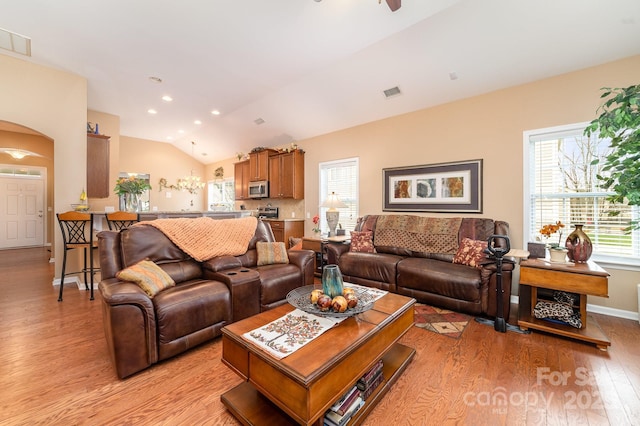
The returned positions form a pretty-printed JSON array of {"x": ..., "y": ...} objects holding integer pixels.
[
  {"x": 429, "y": 276},
  {"x": 141, "y": 330}
]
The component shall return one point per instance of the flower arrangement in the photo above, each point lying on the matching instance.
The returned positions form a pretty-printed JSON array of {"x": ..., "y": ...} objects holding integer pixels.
[
  {"x": 316, "y": 223},
  {"x": 131, "y": 185},
  {"x": 550, "y": 229}
]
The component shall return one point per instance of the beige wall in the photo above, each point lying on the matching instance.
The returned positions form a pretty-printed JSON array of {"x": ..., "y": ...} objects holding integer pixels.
[
  {"x": 163, "y": 160},
  {"x": 53, "y": 103}
]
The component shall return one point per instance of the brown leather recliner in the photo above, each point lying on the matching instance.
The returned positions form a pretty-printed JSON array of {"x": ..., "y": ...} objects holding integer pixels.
[{"x": 141, "y": 331}]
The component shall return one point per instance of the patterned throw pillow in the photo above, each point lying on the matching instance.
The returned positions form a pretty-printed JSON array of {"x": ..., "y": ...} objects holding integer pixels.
[
  {"x": 362, "y": 242},
  {"x": 270, "y": 253},
  {"x": 150, "y": 277},
  {"x": 471, "y": 252}
]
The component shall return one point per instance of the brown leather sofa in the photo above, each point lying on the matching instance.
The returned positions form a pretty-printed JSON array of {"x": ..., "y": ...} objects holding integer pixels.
[
  {"x": 430, "y": 278},
  {"x": 141, "y": 331}
]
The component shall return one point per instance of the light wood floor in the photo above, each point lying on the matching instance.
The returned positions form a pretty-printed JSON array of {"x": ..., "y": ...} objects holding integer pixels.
[{"x": 54, "y": 369}]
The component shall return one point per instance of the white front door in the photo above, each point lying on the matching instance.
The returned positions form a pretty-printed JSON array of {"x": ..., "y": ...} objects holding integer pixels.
[{"x": 21, "y": 212}]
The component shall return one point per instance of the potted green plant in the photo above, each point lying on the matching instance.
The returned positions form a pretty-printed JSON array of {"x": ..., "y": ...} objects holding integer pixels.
[{"x": 619, "y": 120}]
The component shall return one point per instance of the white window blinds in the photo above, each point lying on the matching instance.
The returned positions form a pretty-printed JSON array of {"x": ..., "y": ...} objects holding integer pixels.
[
  {"x": 341, "y": 177},
  {"x": 563, "y": 187}
]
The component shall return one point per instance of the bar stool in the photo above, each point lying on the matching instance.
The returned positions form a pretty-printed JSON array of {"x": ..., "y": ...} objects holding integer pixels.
[
  {"x": 77, "y": 233},
  {"x": 121, "y": 220}
]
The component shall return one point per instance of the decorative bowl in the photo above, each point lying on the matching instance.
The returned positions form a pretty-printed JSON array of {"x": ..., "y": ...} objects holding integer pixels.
[
  {"x": 80, "y": 207},
  {"x": 301, "y": 298}
]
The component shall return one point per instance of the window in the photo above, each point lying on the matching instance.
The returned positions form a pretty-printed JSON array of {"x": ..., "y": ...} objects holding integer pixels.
[
  {"x": 561, "y": 184},
  {"x": 341, "y": 177},
  {"x": 221, "y": 195}
]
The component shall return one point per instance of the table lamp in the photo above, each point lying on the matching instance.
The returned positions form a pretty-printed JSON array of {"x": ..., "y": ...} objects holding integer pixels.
[{"x": 333, "y": 203}]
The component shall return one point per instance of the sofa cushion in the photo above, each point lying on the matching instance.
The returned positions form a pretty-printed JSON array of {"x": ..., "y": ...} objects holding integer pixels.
[
  {"x": 371, "y": 266},
  {"x": 271, "y": 253},
  {"x": 446, "y": 279},
  {"x": 362, "y": 242},
  {"x": 471, "y": 253},
  {"x": 149, "y": 277}
]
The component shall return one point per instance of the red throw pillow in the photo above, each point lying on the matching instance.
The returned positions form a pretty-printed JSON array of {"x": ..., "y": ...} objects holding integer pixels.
[
  {"x": 471, "y": 252},
  {"x": 362, "y": 242}
]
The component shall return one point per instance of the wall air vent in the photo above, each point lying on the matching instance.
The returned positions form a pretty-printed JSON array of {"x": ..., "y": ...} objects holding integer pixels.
[
  {"x": 258, "y": 121},
  {"x": 15, "y": 42},
  {"x": 390, "y": 93}
]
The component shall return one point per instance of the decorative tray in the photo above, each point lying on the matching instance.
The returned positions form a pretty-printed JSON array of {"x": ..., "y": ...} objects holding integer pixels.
[{"x": 301, "y": 298}]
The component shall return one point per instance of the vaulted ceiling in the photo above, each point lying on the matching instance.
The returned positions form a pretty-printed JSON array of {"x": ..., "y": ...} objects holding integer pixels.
[{"x": 306, "y": 67}]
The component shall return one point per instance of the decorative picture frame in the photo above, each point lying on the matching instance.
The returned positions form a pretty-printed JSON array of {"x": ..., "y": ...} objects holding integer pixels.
[{"x": 445, "y": 187}]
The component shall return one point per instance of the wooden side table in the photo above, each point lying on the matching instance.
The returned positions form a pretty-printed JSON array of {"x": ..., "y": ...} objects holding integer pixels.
[
  {"x": 580, "y": 278},
  {"x": 318, "y": 245}
]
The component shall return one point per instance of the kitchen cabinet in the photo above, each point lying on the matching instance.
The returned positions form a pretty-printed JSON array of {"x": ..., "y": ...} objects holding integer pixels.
[
  {"x": 241, "y": 180},
  {"x": 286, "y": 175},
  {"x": 283, "y": 229},
  {"x": 259, "y": 164},
  {"x": 97, "y": 166}
]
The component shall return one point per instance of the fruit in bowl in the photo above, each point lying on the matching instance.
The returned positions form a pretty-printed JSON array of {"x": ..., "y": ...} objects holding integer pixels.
[
  {"x": 315, "y": 294},
  {"x": 324, "y": 302},
  {"x": 339, "y": 304}
]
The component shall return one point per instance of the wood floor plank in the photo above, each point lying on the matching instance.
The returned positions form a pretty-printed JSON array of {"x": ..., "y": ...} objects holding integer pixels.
[{"x": 55, "y": 369}]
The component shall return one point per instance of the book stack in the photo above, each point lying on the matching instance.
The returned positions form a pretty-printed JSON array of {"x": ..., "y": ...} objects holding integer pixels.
[
  {"x": 342, "y": 411},
  {"x": 370, "y": 381}
]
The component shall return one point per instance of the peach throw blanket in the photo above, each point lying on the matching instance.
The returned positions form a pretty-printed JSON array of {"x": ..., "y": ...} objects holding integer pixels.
[{"x": 204, "y": 238}]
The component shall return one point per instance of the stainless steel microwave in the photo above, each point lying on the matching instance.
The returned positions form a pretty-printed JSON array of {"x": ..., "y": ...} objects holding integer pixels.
[{"x": 259, "y": 189}]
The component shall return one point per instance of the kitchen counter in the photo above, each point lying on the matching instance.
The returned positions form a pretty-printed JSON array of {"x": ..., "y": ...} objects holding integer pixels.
[
  {"x": 173, "y": 214},
  {"x": 268, "y": 219}
]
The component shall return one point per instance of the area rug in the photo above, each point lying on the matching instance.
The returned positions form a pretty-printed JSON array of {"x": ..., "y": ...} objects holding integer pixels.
[{"x": 441, "y": 321}]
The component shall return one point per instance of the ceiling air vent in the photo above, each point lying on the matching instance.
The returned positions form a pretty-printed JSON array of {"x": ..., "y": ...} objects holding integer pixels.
[
  {"x": 390, "y": 93},
  {"x": 15, "y": 42},
  {"x": 258, "y": 121}
]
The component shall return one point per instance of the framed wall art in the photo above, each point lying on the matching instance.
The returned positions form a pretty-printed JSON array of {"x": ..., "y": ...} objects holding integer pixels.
[{"x": 445, "y": 187}]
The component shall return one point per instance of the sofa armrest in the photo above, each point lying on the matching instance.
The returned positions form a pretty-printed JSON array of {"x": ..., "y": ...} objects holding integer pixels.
[
  {"x": 129, "y": 325},
  {"x": 334, "y": 251},
  {"x": 303, "y": 259}
]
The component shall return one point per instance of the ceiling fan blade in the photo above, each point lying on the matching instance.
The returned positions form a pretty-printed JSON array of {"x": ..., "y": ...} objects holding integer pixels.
[{"x": 394, "y": 4}]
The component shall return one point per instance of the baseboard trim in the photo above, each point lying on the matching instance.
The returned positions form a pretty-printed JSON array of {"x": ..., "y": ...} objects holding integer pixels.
[
  {"x": 598, "y": 309},
  {"x": 71, "y": 281}
]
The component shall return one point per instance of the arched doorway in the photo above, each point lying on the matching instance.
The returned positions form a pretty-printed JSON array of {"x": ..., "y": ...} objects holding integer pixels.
[{"x": 18, "y": 183}]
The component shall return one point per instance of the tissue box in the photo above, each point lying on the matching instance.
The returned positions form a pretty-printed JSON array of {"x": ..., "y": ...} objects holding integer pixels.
[{"x": 536, "y": 250}]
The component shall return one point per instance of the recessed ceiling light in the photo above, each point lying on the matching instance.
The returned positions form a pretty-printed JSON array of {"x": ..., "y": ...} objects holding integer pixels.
[
  {"x": 258, "y": 121},
  {"x": 180, "y": 131},
  {"x": 169, "y": 138},
  {"x": 197, "y": 122},
  {"x": 167, "y": 98},
  {"x": 152, "y": 111},
  {"x": 155, "y": 80},
  {"x": 215, "y": 112}
]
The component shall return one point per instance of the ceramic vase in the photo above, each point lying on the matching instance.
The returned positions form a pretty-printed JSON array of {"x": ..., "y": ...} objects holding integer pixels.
[
  {"x": 332, "y": 281},
  {"x": 557, "y": 255},
  {"x": 579, "y": 245}
]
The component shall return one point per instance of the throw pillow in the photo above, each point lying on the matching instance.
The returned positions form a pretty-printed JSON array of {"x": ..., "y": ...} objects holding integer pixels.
[
  {"x": 150, "y": 277},
  {"x": 471, "y": 253},
  {"x": 295, "y": 243},
  {"x": 362, "y": 242},
  {"x": 270, "y": 253}
]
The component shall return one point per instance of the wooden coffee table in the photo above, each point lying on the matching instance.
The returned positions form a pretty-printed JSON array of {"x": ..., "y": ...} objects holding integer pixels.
[{"x": 299, "y": 388}]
